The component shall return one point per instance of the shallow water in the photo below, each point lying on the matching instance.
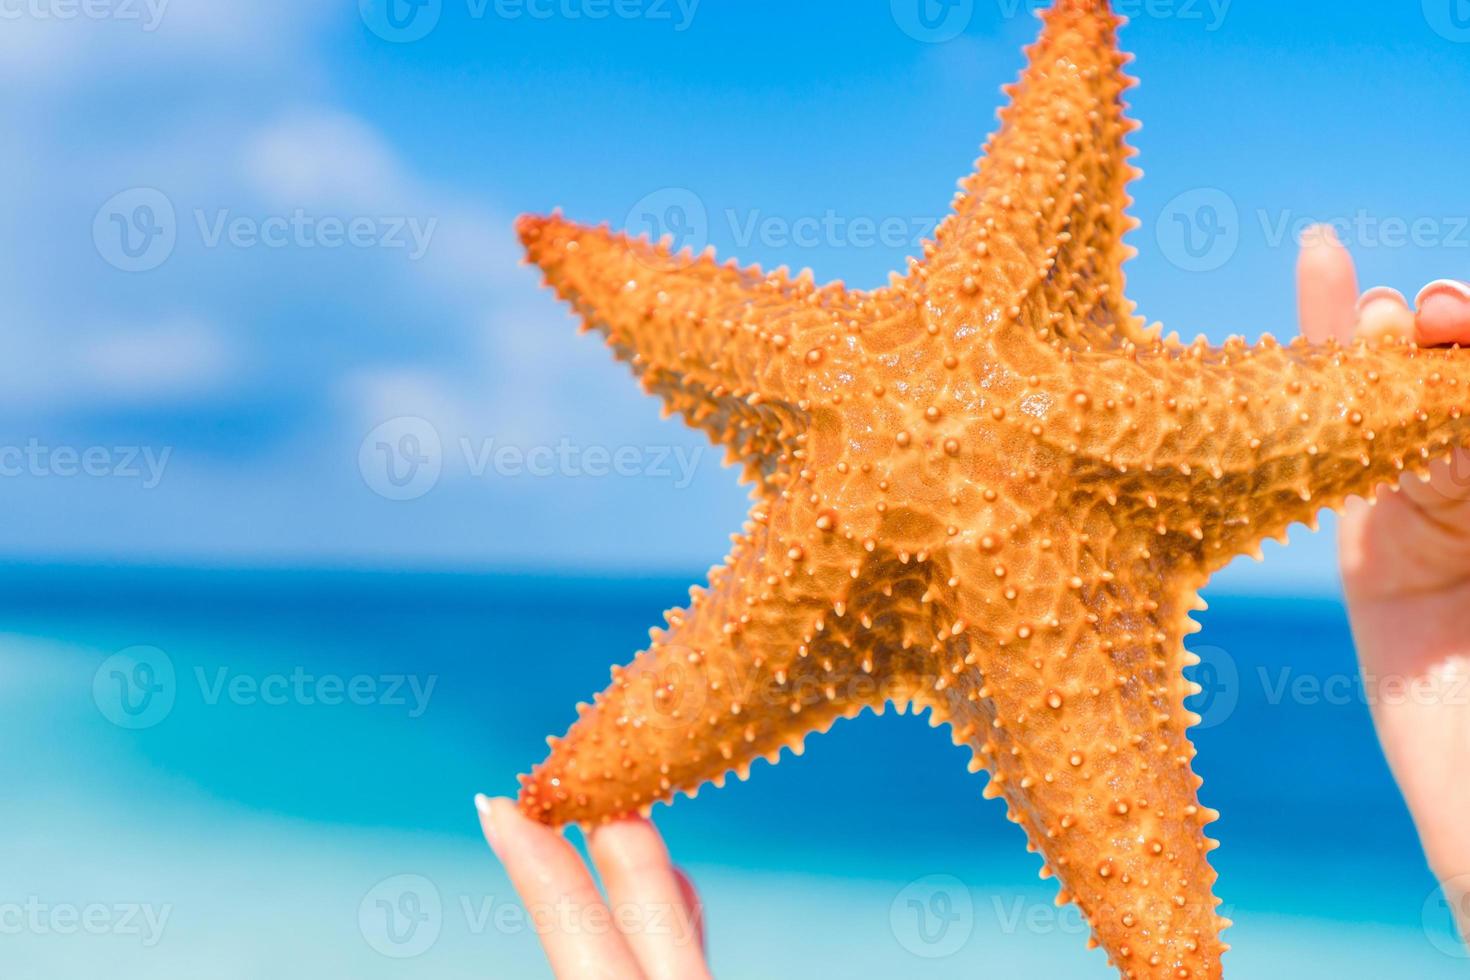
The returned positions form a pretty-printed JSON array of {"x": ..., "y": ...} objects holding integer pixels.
[{"x": 262, "y": 774}]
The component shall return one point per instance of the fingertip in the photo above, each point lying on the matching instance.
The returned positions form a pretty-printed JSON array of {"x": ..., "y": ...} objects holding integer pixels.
[
  {"x": 1327, "y": 285},
  {"x": 486, "y": 809},
  {"x": 504, "y": 815},
  {"x": 548, "y": 872},
  {"x": 641, "y": 879},
  {"x": 1444, "y": 314},
  {"x": 1381, "y": 294},
  {"x": 1384, "y": 312},
  {"x": 507, "y": 829},
  {"x": 1320, "y": 236}
]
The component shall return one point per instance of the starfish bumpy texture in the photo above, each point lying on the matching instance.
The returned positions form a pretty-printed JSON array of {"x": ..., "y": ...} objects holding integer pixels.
[{"x": 986, "y": 490}]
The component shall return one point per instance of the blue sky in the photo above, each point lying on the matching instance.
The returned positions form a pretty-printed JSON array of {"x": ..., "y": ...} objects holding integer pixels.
[{"x": 238, "y": 239}]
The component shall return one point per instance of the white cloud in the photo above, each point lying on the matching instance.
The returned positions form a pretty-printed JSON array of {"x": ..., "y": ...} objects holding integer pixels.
[
  {"x": 324, "y": 158},
  {"x": 159, "y": 362},
  {"x": 64, "y": 42},
  {"x": 231, "y": 120},
  {"x": 328, "y": 160},
  {"x": 390, "y": 393}
]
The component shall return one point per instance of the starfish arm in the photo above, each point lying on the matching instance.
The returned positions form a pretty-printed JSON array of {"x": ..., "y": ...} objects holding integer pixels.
[
  {"x": 760, "y": 659},
  {"x": 1036, "y": 240},
  {"x": 1072, "y": 696},
  {"x": 1247, "y": 441},
  {"x": 725, "y": 347}
]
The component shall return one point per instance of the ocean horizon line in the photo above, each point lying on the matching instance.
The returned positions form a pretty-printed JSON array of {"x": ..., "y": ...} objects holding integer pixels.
[{"x": 43, "y": 574}]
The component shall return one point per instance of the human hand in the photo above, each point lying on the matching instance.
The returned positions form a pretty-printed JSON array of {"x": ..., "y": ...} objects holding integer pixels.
[
  {"x": 651, "y": 926},
  {"x": 1406, "y": 574}
]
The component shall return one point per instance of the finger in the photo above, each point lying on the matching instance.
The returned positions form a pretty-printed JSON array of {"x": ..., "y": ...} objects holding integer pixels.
[
  {"x": 1444, "y": 313},
  {"x": 561, "y": 899},
  {"x": 649, "y": 904},
  {"x": 1327, "y": 286},
  {"x": 1383, "y": 312},
  {"x": 695, "y": 905}
]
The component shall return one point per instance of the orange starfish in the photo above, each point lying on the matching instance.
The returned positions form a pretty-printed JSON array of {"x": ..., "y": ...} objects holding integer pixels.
[{"x": 986, "y": 490}]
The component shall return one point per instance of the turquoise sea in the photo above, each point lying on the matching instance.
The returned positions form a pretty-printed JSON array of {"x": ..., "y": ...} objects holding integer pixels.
[{"x": 269, "y": 775}]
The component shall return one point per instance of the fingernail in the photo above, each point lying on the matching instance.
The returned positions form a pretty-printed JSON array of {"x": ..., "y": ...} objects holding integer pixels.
[
  {"x": 1452, "y": 288},
  {"x": 487, "y": 820},
  {"x": 1380, "y": 293}
]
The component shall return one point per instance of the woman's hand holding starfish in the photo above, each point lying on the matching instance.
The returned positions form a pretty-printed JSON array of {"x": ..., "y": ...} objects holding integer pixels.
[
  {"x": 650, "y": 926},
  {"x": 1406, "y": 572}
]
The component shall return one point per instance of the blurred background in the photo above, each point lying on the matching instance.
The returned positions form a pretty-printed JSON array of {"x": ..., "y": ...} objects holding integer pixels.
[{"x": 319, "y": 515}]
